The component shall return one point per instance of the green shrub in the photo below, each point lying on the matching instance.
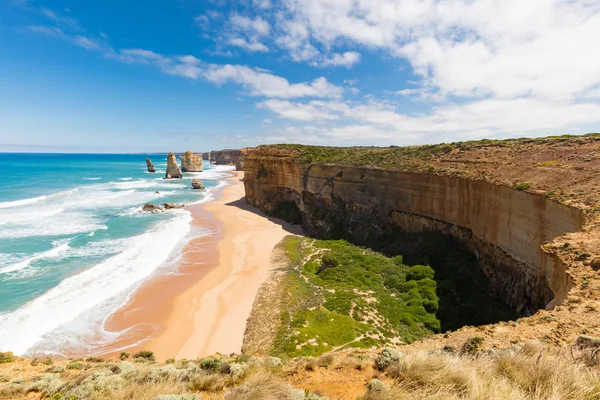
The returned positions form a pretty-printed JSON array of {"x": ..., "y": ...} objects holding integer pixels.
[
  {"x": 7, "y": 357},
  {"x": 419, "y": 272},
  {"x": 210, "y": 364},
  {"x": 94, "y": 359},
  {"x": 145, "y": 354},
  {"x": 124, "y": 355},
  {"x": 288, "y": 211},
  {"x": 472, "y": 345},
  {"x": 387, "y": 357},
  {"x": 75, "y": 365},
  {"x": 47, "y": 361},
  {"x": 523, "y": 186},
  {"x": 375, "y": 385}
]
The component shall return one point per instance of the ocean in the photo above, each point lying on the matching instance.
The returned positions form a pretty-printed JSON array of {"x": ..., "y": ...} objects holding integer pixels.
[{"x": 74, "y": 246}]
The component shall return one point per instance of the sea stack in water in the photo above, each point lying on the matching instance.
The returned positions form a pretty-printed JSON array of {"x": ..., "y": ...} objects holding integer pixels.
[
  {"x": 173, "y": 171},
  {"x": 191, "y": 162},
  {"x": 197, "y": 184},
  {"x": 150, "y": 166}
]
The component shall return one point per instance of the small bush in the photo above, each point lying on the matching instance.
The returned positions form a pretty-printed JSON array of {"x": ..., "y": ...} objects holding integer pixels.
[
  {"x": 94, "y": 359},
  {"x": 387, "y": 357},
  {"x": 375, "y": 385},
  {"x": 523, "y": 186},
  {"x": 35, "y": 362},
  {"x": 145, "y": 354},
  {"x": 74, "y": 365},
  {"x": 124, "y": 355},
  {"x": 7, "y": 357},
  {"x": 472, "y": 345},
  {"x": 419, "y": 272},
  {"x": 170, "y": 361},
  {"x": 210, "y": 364},
  {"x": 47, "y": 361}
]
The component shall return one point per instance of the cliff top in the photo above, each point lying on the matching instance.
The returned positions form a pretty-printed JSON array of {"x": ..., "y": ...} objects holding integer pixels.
[{"x": 564, "y": 168}]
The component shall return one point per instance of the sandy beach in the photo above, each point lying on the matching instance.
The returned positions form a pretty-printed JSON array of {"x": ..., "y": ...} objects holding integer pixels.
[{"x": 203, "y": 309}]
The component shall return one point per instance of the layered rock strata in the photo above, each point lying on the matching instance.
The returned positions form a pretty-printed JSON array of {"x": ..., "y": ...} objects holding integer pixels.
[
  {"x": 173, "y": 171},
  {"x": 191, "y": 162},
  {"x": 230, "y": 157},
  {"x": 508, "y": 230}
]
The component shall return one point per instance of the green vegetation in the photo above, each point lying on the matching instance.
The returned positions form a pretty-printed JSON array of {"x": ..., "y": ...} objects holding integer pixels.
[
  {"x": 523, "y": 186},
  {"x": 339, "y": 295},
  {"x": 6, "y": 357},
  {"x": 406, "y": 158},
  {"x": 288, "y": 211},
  {"x": 144, "y": 354},
  {"x": 463, "y": 290}
]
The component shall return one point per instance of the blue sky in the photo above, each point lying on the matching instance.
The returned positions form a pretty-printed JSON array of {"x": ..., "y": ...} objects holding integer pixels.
[{"x": 188, "y": 74}]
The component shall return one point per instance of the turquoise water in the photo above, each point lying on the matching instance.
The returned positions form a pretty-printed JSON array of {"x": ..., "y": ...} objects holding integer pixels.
[{"x": 73, "y": 244}]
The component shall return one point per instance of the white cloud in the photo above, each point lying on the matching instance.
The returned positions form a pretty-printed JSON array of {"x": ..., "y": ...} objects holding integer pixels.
[
  {"x": 492, "y": 116},
  {"x": 248, "y": 45},
  {"x": 505, "y": 49},
  {"x": 254, "y": 26},
  {"x": 260, "y": 83},
  {"x": 347, "y": 59}
]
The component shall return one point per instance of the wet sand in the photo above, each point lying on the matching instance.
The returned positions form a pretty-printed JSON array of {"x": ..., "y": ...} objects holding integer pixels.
[{"x": 203, "y": 308}]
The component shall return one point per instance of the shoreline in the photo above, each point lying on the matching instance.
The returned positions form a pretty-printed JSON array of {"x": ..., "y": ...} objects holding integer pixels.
[{"x": 202, "y": 309}]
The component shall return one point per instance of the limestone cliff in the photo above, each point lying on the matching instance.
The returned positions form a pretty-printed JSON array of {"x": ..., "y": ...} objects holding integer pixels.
[
  {"x": 191, "y": 162},
  {"x": 230, "y": 157},
  {"x": 173, "y": 171},
  {"x": 150, "y": 166},
  {"x": 206, "y": 156},
  {"x": 507, "y": 225}
]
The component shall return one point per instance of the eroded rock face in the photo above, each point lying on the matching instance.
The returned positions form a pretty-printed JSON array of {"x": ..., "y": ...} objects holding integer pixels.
[
  {"x": 197, "y": 184},
  {"x": 173, "y": 171},
  {"x": 230, "y": 157},
  {"x": 191, "y": 162},
  {"x": 504, "y": 228},
  {"x": 150, "y": 166},
  {"x": 206, "y": 156}
]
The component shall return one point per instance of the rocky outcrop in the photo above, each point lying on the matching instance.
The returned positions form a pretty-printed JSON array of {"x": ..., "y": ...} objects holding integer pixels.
[
  {"x": 506, "y": 229},
  {"x": 150, "y": 166},
  {"x": 153, "y": 208},
  {"x": 173, "y": 171},
  {"x": 197, "y": 184},
  {"x": 230, "y": 157},
  {"x": 206, "y": 156},
  {"x": 191, "y": 162}
]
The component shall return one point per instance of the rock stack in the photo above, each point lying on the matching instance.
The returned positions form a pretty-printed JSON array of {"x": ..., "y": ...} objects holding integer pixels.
[
  {"x": 197, "y": 184},
  {"x": 173, "y": 171},
  {"x": 191, "y": 162},
  {"x": 150, "y": 166}
]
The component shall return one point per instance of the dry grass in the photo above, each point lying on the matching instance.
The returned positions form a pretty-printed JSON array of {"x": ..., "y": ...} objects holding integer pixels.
[
  {"x": 533, "y": 371},
  {"x": 549, "y": 374}
]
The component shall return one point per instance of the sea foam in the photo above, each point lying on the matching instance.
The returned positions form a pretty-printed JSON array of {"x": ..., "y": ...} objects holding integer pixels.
[{"x": 101, "y": 289}]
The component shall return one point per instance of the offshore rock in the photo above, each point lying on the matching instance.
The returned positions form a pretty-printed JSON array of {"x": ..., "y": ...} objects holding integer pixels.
[
  {"x": 206, "y": 156},
  {"x": 191, "y": 162},
  {"x": 170, "y": 206},
  {"x": 197, "y": 184},
  {"x": 173, "y": 171},
  {"x": 150, "y": 166},
  {"x": 151, "y": 208}
]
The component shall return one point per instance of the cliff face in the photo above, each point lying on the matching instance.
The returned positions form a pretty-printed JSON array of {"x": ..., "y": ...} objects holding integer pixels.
[
  {"x": 230, "y": 157},
  {"x": 173, "y": 171},
  {"x": 191, "y": 162},
  {"x": 503, "y": 227}
]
